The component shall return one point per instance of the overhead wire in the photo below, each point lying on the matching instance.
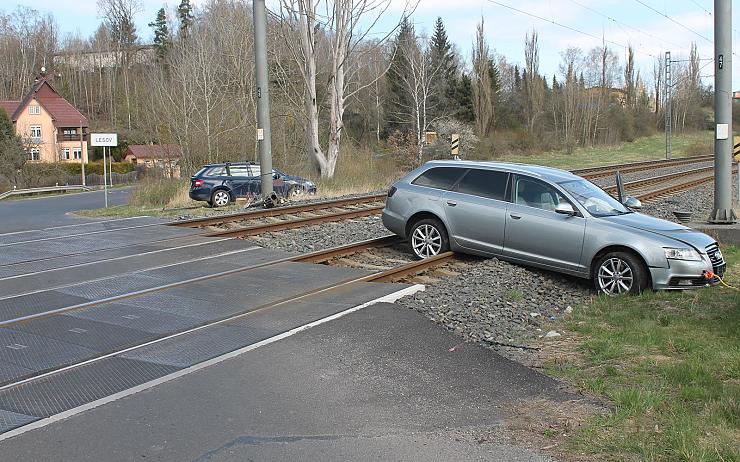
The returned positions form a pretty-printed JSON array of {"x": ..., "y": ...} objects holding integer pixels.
[
  {"x": 573, "y": 29},
  {"x": 648, "y": 34},
  {"x": 673, "y": 20}
]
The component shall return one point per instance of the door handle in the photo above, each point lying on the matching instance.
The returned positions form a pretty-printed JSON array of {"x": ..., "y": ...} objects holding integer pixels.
[
  {"x": 515, "y": 217},
  {"x": 451, "y": 203}
]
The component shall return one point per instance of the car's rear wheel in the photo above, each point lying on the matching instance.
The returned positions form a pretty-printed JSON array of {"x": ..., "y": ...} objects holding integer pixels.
[
  {"x": 429, "y": 238},
  {"x": 620, "y": 273},
  {"x": 220, "y": 198}
]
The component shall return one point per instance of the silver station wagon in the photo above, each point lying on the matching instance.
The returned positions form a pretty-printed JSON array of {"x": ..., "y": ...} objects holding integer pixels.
[{"x": 548, "y": 218}]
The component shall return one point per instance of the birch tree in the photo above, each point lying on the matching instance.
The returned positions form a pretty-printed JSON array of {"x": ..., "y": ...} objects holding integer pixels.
[{"x": 341, "y": 24}]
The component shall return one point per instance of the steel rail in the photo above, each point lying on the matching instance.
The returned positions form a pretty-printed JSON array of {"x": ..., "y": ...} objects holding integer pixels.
[
  {"x": 659, "y": 179},
  {"x": 297, "y": 223},
  {"x": 287, "y": 210},
  {"x": 606, "y": 170},
  {"x": 680, "y": 187},
  {"x": 381, "y": 276}
]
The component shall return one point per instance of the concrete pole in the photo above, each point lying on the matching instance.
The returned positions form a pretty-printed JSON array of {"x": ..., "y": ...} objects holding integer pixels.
[
  {"x": 723, "y": 212},
  {"x": 263, "y": 95}
]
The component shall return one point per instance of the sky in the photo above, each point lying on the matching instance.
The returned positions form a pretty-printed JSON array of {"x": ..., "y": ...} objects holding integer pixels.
[{"x": 651, "y": 26}]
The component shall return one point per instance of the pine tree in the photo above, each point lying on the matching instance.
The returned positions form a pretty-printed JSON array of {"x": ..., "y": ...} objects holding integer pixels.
[
  {"x": 441, "y": 57},
  {"x": 12, "y": 154},
  {"x": 185, "y": 14},
  {"x": 161, "y": 34},
  {"x": 464, "y": 98},
  {"x": 400, "y": 102}
]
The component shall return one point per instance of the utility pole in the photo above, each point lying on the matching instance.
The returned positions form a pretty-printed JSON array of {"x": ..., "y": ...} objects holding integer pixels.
[
  {"x": 723, "y": 212},
  {"x": 263, "y": 98},
  {"x": 668, "y": 108}
]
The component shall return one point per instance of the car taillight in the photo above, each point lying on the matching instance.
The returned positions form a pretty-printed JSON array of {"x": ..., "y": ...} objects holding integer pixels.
[
  {"x": 392, "y": 191},
  {"x": 197, "y": 183}
]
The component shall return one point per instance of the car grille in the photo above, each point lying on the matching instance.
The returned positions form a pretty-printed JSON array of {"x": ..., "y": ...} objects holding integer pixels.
[{"x": 715, "y": 256}]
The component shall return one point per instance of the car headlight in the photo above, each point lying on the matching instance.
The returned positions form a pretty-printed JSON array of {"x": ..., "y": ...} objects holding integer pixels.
[{"x": 682, "y": 254}]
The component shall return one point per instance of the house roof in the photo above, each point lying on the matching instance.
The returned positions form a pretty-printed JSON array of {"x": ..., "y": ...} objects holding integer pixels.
[
  {"x": 154, "y": 151},
  {"x": 62, "y": 113},
  {"x": 9, "y": 106}
]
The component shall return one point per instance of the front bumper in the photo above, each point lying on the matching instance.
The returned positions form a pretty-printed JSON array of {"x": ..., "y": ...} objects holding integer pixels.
[{"x": 682, "y": 274}]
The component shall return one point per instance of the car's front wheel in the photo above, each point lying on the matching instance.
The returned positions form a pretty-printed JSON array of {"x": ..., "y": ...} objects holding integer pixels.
[
  {"x": 429, "y": 238},
  {"x": 295, "y": 192},
  {"x": 220, "y": 198},
  {"x": 620, "y": 273}
]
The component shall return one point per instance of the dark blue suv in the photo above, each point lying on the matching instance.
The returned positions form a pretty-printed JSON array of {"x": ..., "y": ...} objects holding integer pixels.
[{"x": 220, "y": 184}]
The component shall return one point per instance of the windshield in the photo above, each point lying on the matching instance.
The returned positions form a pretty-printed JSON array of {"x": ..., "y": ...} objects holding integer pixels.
[{"x": 594, "y": 199}]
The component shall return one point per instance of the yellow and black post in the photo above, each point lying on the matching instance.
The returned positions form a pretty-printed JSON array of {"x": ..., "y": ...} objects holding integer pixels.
[{"x": 455, "y": 142}]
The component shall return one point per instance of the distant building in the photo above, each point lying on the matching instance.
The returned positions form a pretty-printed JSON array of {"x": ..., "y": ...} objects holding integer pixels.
[
  {"x": 164, "y": 156},
  {"x": 90, "y": 60},
  {"x": 52, "y": 129}
]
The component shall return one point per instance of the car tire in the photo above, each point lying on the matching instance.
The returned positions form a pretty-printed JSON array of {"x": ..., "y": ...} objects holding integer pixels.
[
  {"x": 220, "y": 198},
  {"x": 620, "y": 273},
  {"x": 428, "y": 237},
  {"x": 295, "y": 192}
]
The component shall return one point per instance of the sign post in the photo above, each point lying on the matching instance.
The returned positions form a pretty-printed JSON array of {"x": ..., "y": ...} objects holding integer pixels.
[
  {"x": 104, "y": 140},
  {"x": 455, "y": 145}
]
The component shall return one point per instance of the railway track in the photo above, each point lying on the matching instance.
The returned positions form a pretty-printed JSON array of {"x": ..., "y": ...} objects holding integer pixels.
[
  {"x": 314, "y": 213},
  {"x": 400, "y": 271},
  {"x": 607, "y": 170}
]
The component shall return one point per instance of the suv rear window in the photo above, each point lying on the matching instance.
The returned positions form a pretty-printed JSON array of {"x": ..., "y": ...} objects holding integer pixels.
[
  {"x": 484, "y": 183},
  {"x": 439, "y": 177}
]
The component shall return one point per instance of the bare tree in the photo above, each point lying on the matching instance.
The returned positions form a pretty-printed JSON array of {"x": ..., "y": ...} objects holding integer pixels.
[
  {"x": 342, "y": 24},
  {"x": 482, "y": 91},
  {"x": 533, "y": 84}
]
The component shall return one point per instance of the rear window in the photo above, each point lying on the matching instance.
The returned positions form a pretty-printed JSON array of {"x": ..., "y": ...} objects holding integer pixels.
[
  {"x": 484, "y": 183},
  {"x": 439, "y": 177},
  {"x": 254, "y": 170}
]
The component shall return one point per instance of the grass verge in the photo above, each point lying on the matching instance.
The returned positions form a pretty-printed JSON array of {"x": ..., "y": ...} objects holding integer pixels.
[
  {"x": 645, "y": 148},
  {"x": 669, "y": 364}
]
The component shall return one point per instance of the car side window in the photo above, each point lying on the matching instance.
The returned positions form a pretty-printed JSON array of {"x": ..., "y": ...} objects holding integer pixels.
[
  {"x": 439, "y": 177},
  {"x": 217, "y": 171},
  {"x": 239, "y": 171},
  {"x": 536, "y": 194},
  {"x": 484, "y": 183},
  {"x": 255, "y": 170}
]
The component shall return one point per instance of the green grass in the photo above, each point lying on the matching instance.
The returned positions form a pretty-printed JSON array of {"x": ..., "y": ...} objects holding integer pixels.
[
  {"x": 669, "y": 364},
  {"x": 645, "y": 148}
]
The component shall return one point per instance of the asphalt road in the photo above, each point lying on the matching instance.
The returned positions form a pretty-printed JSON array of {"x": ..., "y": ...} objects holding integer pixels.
[
  {"x": 378, "y": 384},
  {"x": 45, "y": 212}
]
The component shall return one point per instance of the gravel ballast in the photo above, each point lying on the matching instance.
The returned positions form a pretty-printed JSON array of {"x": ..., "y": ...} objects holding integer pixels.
[{"x": 508, "y": 307}]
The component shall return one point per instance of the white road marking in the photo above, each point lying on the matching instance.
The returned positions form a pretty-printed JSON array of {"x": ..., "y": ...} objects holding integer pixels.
[{"x": 390, "y": 298}]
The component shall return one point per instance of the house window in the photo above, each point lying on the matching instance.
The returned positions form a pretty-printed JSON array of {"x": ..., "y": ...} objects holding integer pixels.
[
  {"x": 33, "y": 154},
  {"x": 77, "y": 153},
  {"x": 35, "y": 131},
  {"x": 34, "y": 109},
  {"x": 65, "y": 154}
]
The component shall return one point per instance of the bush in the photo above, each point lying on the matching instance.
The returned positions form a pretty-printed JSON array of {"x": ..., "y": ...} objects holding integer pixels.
[
  {"x": 156, "y": 192},
  {"x": 96, "y": 167}
]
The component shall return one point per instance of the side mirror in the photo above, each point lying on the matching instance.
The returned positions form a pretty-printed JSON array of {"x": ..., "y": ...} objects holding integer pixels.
[
  {"x": 565, "y": 208},
  {"x": 632, "y": 203},
  {"x": 275, "y": 175}
]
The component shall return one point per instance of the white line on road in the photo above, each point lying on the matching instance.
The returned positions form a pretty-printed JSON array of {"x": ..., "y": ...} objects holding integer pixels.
[{"x": 390, "y": 298}]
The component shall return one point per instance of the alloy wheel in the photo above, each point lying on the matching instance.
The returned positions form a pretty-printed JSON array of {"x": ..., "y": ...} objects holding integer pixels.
[
  {"x": 615, "y": 277},
  {"x": 426, "y": 241},
  {"x": 220, "y": 198}
]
